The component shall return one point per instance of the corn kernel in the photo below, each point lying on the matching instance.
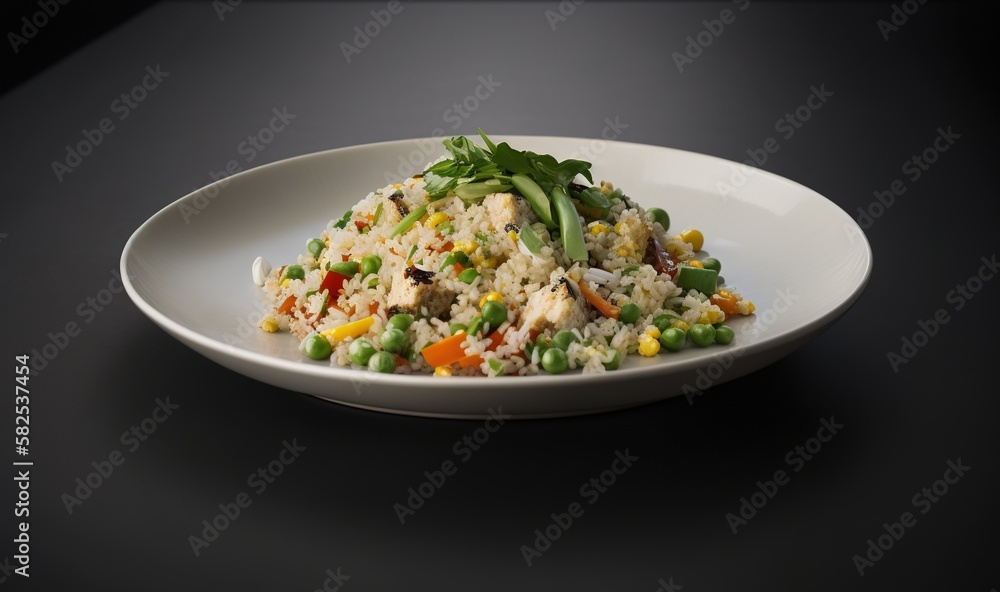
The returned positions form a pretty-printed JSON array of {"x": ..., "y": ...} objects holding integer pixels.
[
  {"x": 648, "y": 346},
  {"x": 622, "y": 252},
  {"x": 512, "y": 235},
  {"x": 679, "y": 324},
  {"x": 490, "y": 297},
  {"x": 490, "y": 263},
  {"x": 398, "y": 186},
  {"x": 285, "y": 282},
  {"x": 696, "y": 263},
  {"x": 674, "y": 249},
  {"x": 598, "y": 229},
  {"x": 653, "y": 332},
  {"x": 269, "y": 324},
  {"x": 724, "y": 293},
  {"x": 621, "y": 228},
  {"x": 442, "y": 371},
  {"x": 695, "y": 237},
  {"x": 465, "y": 246},
  {"x": 750, "y": 307},
  {"x": 709, "y": 317},
  {"x": 437, "y": 218}
]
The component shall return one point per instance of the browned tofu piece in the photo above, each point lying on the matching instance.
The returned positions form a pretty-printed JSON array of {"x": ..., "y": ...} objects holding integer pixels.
[
  {"x": 557, "y": 306},
  {"x": 419, "y": 292},
  {"x": 506, "y": 208}
]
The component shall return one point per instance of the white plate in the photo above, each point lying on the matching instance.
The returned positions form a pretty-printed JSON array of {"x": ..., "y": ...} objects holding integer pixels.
[{"x": 801, "y": 259}]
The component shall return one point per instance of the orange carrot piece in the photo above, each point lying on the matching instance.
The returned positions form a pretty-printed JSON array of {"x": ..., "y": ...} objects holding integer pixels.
[
  {"x": 445, "y": 352},
  {"x": 373, "y": 308},
  {"x": 603, "y": 306},
  {"x": 287, "y": 306},
  {"x": 496, "y": 338},
  {"x": 473, "y": 360},
  {"x": 401, "y": 361}
]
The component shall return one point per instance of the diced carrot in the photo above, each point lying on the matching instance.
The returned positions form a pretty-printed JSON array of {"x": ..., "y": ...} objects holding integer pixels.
[
  {"x": 287, "y": 306},
  {"x": 345, "y": 258},
  {"x": 401, "y": 361},
  {"x": 728, "y": 305},
  {"x": 473, "y": 360},
  {"x": 373, "y": 308},
  {"x": 446, "y": 247},
  {"x": 445, "y": 352},
  {"x": 496, "y": 338},
  {"x": 458, "y": 268},
  {"x": 603, "y": 306},
  {"x": 360, "y": 224}
]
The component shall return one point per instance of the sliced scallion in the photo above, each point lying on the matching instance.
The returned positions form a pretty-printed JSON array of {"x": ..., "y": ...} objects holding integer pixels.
[
  {"x": 475, "y": 191},
  {"x": 408, "y": 221},
  {"x": 530, "y": 240}
]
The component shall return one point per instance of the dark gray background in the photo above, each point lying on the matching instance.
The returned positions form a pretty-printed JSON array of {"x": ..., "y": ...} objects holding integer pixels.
[{"x": 666, "y": 516}]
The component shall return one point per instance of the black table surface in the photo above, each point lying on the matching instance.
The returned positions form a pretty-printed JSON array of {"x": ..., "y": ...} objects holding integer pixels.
[{"x": 883, "y": 426}]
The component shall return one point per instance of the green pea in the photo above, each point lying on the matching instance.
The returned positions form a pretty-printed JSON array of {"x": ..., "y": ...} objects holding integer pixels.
[
  {"x": 672, "y": 339},
  {"x": 702, "y": 335},
  {"x": 455, "y": 328},
  {"x": 712, "y": 263},
  {"x": 724, "y": 334},
  {"x": 663, "y": 321},
  {"x": 461, "y": 256},
  {"x": 475, "y": 326},
  {"x": 555, "y": 361},
  {"x": 616, "y": 360},
  {"x": 348, "y": 268},
  {"x": 382, "y": 362},
  {"x": 360, "y": 351},
  {"x": 317, "y": 347},
  {"x": 401, "y": 321},
  {"x": 370, "y": 264},
  {"x": 316, "y": 246},
  {"x": 494, "y": 313},
  {"x": 563, "y": 339},
  {"x": 393, "y": 340},
  {"x": 295, "y": 272},
  {"x": 629, "y": 313},
  {"x": 660, "y": 215},
  {"x": 468, "y": 275}
]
